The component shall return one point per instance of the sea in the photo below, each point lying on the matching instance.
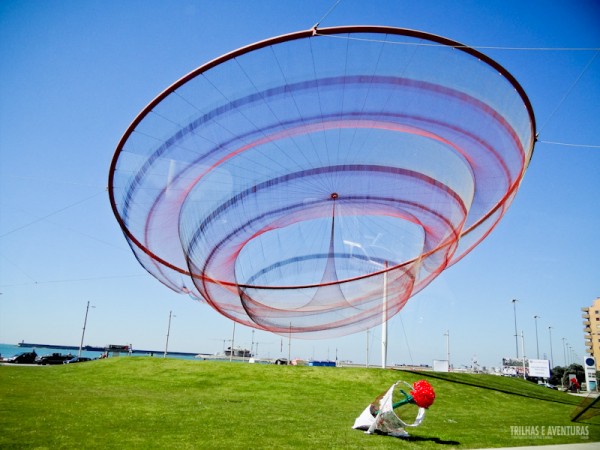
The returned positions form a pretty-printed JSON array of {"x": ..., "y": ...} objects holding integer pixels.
[{"x": 8, "y": 350}]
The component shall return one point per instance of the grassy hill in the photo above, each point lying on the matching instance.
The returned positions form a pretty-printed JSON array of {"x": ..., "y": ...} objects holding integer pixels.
[{"x": 145, "y": 402}]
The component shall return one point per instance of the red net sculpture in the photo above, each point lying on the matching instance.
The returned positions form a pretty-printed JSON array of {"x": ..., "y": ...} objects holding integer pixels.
[{"x": 306, "y": 183}]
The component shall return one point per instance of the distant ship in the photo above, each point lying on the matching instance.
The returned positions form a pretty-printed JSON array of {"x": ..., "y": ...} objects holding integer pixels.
[
  {"x": 238, "y": 352},
  {"x": 107, "y": 348},
  {"x": 89, "y": 348}
]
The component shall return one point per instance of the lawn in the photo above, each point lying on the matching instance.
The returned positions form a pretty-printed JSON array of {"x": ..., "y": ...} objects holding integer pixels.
[{"x": 143, "y": 402}]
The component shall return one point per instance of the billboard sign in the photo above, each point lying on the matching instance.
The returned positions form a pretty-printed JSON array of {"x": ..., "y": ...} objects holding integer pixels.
[{"x": 539, "y": 368}]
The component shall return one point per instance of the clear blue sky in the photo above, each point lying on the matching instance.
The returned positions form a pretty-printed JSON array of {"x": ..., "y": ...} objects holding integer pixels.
[{"x": 73, "y": 75}]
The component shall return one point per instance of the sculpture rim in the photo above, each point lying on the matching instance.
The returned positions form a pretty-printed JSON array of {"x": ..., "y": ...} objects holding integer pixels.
[{"x": 328, "y": 31}]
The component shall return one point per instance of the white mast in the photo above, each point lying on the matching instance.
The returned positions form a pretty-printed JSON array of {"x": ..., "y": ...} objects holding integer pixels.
[{"x": 384, "y": 331}]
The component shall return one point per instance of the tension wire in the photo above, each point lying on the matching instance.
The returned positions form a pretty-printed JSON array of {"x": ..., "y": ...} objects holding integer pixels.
[{"x": 326, "y": 14}]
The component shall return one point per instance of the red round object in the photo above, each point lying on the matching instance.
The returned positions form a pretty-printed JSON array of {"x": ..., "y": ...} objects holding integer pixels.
[{"x": 423, "y": 394}]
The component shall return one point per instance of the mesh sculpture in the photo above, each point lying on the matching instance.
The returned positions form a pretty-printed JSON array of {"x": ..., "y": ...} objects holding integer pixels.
[{"x": 307, "y": 183}]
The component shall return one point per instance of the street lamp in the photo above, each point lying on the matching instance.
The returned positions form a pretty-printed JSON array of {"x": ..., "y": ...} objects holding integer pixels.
[
  {"x": 232, "y": 343},
  {"x": 447, "y": 334},
  {"x": 367, "y": 363},
  {"x": 551, "y": 354},
  {"x": 514, "y": 302},
  {"x": 168, "y": 332},
  {"x": 537, "y": 344},
  {"x": 84, "y": 324},
  {"x": 573, "y": 355},
  {"x": 523, "y": 349},
  {"x": 564, "y": 352}
]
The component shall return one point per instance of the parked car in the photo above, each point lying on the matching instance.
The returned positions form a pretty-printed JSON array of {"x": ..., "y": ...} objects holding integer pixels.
[
  {"x": 54, "y": 358},
  {"x": 77, "y": 359},
  {"x": 23, "y": 358}
]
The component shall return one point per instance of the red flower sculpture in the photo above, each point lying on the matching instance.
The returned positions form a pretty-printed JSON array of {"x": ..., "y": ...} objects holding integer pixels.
[
  {"x": 422, "y": 394},
  {"x": 575, "y": 383}
]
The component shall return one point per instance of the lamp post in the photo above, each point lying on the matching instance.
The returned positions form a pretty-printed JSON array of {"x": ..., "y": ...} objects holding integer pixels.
[
  {"x": 367, "y": 362},
  {"x": 84, "y": 325},
  {"x": 537, "y": 344},
  {"x": 290, "y": 345},
  {"x": 447, "y": 334},
  {"x": 572, "y": 355},
  {"x": 564, "y": 352},
  {"x": 232, "y": 343},
  {"x": 551, "y": 354},
  {"x": 514, "y": 302},
  {"x": 523, "y": 349},
  {"x": 168, "y": 332}
]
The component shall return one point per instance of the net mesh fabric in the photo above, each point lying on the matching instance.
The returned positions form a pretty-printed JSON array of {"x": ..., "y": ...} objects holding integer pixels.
[{"x": 286, "y": 185}]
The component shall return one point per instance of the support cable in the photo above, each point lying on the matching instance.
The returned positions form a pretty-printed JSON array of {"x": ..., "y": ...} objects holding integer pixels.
[
  {"x": 569, "y": 91},
  {"x": 326, "y": 14}
]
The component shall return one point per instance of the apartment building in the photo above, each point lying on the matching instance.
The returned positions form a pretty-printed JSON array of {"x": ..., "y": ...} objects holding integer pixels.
[{"x": 591, "y": 330}]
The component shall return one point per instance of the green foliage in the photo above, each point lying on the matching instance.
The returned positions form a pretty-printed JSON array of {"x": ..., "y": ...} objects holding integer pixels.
[
  {"x": 556, "y": 377},
  {"x": 141, "y": 402}
]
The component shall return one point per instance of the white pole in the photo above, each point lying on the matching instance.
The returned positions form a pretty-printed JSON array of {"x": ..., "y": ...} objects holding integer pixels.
[
  {"x": 168, "y": 332},
  {"x": 448, "y": 348},
  {"x": 367, "y": 363},
  {"x": 84, "y": 324},
  {"x": 384, "y": 331},
  {"x": 514, "y": 302},
  {"x": 523, "y": 351},
  {"x": 537, "y": 345},
  {"x": 290, "y": 345},
  {"x": 551, "y": 353},
  {"x": 232, "y": 343}
]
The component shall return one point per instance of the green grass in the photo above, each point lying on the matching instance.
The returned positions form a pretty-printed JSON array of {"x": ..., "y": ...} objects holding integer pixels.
[{"x": 139, "y": 402}]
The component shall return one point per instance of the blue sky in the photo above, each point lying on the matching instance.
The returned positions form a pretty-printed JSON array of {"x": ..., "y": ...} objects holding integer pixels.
[{"x": 73, "y": 75}]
